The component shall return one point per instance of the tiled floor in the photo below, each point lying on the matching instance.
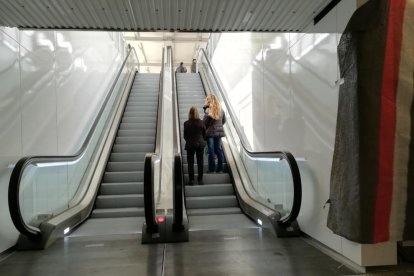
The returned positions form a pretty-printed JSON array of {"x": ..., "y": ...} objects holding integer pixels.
[
  {"x": 93, "y": 250},
  {"x": 210, "y": 252}
]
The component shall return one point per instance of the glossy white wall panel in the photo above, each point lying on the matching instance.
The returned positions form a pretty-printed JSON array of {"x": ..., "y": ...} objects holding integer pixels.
[
  {"x": 10, "y": 127},
  {"x": 294, "y": 38},
  {"x": 313, "y": 75},
  {"x": 236, "y": 59},
  {"x": 312, "y": 126},
  {"x": 314, "y": 72},
  {"x": 82, "y": 82},
  {"x": 276, "y": 94},
  {"x": 12, "y": 33},
  {"x": 38, "y": 93},
  {"x": 10, "y": 114}
]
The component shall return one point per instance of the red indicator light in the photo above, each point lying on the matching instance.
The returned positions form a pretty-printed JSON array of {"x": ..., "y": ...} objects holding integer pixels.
[{"x": 160, "y": 219}]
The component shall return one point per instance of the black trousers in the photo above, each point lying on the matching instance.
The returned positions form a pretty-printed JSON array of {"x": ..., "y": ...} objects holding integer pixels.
[{"x": 199, "y": 152}]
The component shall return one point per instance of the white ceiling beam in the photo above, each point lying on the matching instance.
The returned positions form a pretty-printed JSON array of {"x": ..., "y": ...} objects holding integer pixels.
[{"x": 175, "y": 40}]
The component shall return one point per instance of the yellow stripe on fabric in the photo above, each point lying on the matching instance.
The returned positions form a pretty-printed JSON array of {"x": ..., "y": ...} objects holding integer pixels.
[{"x": 404, "y": 101}]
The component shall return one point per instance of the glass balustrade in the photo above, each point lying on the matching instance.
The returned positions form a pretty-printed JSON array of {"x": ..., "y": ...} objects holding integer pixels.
[{"x": 51, "y": 185}]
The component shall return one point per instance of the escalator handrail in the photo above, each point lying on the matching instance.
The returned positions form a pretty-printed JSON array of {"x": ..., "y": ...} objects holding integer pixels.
[
  {"x": 14, "y": 183},
  {"x": 178, "y": 194},
  {"x": 294, "y": 169},
  {"x": 149, "y": 200}
]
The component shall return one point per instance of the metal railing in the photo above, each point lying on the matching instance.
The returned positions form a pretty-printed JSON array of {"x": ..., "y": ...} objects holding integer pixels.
[{"x": 149, "y": 163}]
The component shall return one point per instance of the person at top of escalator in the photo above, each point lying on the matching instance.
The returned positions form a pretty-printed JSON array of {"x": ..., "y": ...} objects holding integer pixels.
[
  {"x": 194, "y": 66},
  {"x": 214, "y": 119},
  {"x": 194, "y": 136},
  {"x": 181, "y": 68}
]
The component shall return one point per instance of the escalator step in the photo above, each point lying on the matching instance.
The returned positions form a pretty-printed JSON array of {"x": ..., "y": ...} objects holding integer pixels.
[
  {"x": 214, "y": 211},
  {"x": 118, "y": 212},
  {"x": 114, "y": 177},
  {"x": 209, "y": 190},
  {"x": 119, "y": 148},
  {"x": 202, "y": 202},
  {"x": 124, "y": 166},
  {"x": 119, "y": 201},
  {"x": 121, "y": 188}
]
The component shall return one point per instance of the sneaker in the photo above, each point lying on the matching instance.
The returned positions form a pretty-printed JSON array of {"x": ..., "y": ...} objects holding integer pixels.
[
  {"x": 200, "y": 182},
  {"x": 210, "y": 171},
  {"x": 190, "y": 182},
  {"x": 219, "y": 171}
]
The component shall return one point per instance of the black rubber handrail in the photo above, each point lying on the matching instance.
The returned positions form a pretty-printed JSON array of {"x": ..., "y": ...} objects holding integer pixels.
[
  {"x": 14, "y": 184},
  {"x": 294, "y": 169},
  {"x": 149, "y": 200},
  {"x": 149, "y": 206}
]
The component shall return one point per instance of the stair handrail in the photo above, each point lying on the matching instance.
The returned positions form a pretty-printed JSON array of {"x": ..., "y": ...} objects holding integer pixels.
[
  {"x": 178, "y": 178},
  {"x": 14, "y": 183},
  {"x": 294, "y": 169},
  {"x": 150, "y": 159}
]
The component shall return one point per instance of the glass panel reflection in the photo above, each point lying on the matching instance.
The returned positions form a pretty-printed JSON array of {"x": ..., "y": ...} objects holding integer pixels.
[
  {"x": 52, "y": 185},
  {"x": 268, "y": 178},
  {"x": 271, "y": 181}
]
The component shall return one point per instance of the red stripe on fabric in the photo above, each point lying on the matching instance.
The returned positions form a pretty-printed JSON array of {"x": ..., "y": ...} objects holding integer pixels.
[{"x": 388, "y": 120}]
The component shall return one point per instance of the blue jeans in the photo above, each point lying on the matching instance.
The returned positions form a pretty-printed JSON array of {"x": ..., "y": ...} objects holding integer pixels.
[{"x": 214, "y": 147}]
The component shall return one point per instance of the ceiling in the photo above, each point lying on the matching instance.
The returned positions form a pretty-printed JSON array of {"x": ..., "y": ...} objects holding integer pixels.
[
  {"x": 166, "y": 15},
  {"x": 149, "y": 45},
  {"x": 149, "y": 25}
]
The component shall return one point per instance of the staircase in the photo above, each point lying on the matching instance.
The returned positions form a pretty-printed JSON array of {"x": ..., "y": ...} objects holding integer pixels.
[
  {"x": 216, "y": 196},
  {"x": 122, "y": 188}
]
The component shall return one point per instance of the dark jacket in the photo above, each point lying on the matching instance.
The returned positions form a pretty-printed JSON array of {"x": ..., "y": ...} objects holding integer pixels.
[
  {"x": 194, "y": 134},
  {"x": 214, "y": 128}
]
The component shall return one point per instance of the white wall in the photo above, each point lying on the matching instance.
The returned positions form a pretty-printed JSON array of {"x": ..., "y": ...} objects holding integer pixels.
[
  {"x": 283, "y": 88},
  {"x": 52, "y": 84}
]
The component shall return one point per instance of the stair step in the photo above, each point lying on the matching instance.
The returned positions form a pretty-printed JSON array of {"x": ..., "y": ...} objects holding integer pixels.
[
  {"x": 133, "y": 148},
  {"x": 124, "y": 166},
  {"x": 119, "y": 201},
  {"x": 121, "y": 188},
  {"x": 214, "y": 211},
  {"x": 141, "y": 132},
  {"x": 135, "y": 140},
  {"x": 209, "y": 190},
  {"x": 127, "y": 157},
  {"x": 185, "y": 166},
  {"x": 115, "y": 177},
  {"x": 139, "y": 98},
  {"x": 152, "y": 114},
  {"x": 202, "y": 202},
  {"x": 118, "y": 212},
  {"x": 137, "y": 126},
  {"x": 212, "y": 178},
  {"x": 134, "y": 120},
  {"x": 141, "y": 109}
]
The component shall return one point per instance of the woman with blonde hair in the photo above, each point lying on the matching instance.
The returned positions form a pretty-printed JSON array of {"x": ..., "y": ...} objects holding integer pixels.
[
  {"x": 214, "y": 119},
  {"x": 194, "y": 136}
]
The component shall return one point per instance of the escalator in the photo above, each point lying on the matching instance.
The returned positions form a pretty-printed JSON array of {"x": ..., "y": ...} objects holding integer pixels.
[
  {"x": 51, "y": 196},
  {"x": 216, "y": 196},
  {"x": 121, "y": 191},
  {"x": 262, "y": 186}
]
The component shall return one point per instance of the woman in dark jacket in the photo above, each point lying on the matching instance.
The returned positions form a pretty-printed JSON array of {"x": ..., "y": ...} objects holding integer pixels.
[
  {"x": 214, "y": 119},
  {"x": 194, "y": 136}
]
